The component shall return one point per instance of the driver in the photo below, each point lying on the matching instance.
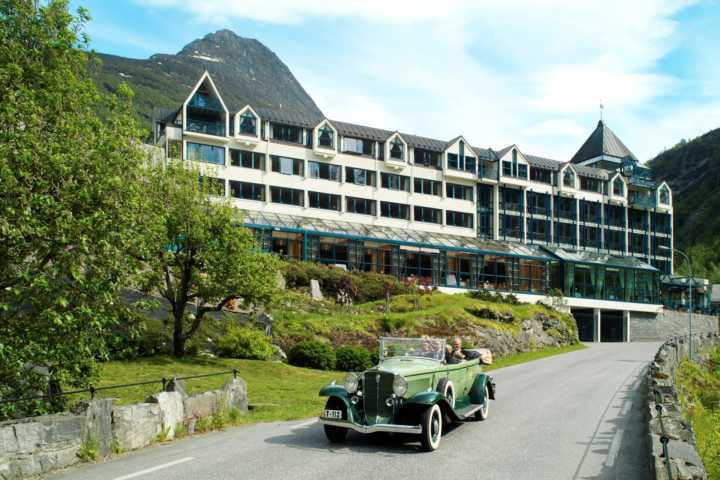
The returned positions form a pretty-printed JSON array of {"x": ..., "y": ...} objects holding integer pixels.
[{"x": 455, "y": 352}]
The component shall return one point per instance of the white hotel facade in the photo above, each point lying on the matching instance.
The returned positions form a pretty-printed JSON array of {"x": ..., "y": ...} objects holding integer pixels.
[{"x": 596, "y": 227}]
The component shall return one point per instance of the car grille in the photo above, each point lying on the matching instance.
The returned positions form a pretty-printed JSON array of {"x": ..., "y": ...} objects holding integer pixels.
[{"x": 377, "y": 387}]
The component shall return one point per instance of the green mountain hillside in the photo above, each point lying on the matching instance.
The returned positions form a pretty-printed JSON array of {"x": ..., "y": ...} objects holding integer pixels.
[
  {"x": 693, "y": 171},
  {"x": 243, "y": 68}
]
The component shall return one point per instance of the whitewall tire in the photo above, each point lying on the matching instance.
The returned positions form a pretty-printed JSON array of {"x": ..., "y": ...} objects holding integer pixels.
[{"x": 431, "y": 423}]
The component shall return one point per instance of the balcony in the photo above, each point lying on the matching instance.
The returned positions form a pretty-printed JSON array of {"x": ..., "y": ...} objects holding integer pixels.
[
  {"x": 567, "y": 214},
  {"x": 511, "y": 207},
  {"x": 565, "y": 240},
  {"x": 488, "y": 170},
  {"x": 537, "y": 210},
  {"x": 645, "y": 201}
]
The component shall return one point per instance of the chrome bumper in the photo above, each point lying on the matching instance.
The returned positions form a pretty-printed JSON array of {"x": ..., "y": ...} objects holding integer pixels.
[{"x": 379, "y": 427}]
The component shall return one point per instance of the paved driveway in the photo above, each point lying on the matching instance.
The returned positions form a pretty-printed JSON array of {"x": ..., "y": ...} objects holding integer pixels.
[{"x": 573, "y": 416}]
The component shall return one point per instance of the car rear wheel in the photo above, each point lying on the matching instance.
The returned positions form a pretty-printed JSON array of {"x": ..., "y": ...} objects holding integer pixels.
[
  {"x": 431, "y": 423},
  {"x": 445, "y": 386},
  {"x": 484, "y": 411},
  {"x": 333, "y": 433}
]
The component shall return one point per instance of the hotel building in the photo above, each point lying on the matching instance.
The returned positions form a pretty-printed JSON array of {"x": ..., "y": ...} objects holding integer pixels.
[{"x": 460, "y": 216}]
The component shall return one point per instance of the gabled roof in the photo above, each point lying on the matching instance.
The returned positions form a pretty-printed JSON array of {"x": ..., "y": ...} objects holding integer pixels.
[
  {"x": 501, "y": 153},
  {"x": 602, "y": 141},
  {"x": 416, "y": 141},
  {"x": 542, "y": 162},
  {"x": 361, "y": 131},
  {"x": 592, "y": 172},
  {"x": 289, "y": 117}
]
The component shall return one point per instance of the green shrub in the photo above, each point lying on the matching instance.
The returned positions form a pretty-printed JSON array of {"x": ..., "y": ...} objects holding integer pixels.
[
  {"x": 248, "y": 343},
  {"x": 352, "y": 359},
  {"x": 366, "y": 286},
  {"x": 312, "y": 354},
  {"x": 89, "y": 450}
]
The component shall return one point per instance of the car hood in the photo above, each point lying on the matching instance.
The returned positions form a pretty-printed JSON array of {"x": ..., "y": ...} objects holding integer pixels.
[{"x": 408, "y": 366}]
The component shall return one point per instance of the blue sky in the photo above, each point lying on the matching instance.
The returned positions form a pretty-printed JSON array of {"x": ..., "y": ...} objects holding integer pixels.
[{"x": 530, "y": 72}]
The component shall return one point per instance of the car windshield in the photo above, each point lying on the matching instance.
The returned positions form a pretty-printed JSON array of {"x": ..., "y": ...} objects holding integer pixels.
[{"x": 432, "y": 348}]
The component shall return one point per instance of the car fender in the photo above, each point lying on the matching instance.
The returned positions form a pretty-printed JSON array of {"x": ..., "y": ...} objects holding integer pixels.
[
  {"x": 338, "y": 391},
  {"x": 477, "y": 391},
  {"x": 424, "y": 400}
]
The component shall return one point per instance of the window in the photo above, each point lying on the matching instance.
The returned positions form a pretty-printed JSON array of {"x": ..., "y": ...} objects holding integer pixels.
[
  {"x": 360, "y": 205},
  {"x": 326, "y": 201},
  {"x": 247, "y": 191},
  {"x": 522, "y": 170},
  {"x": 205, "y": 153},
  {"x": 427, "y": 158},
  {"x": 591, "y": 184},
  {"x": 538, "y": 203},
  {"x": 427, "y": 214},
  {"x": 589, "y": 211},
  {"x": 287, "y": 166},
  {"x": 615, "y": 240},
  {"x": 244, "y": 158},
  {"x": 461, "y": 162},
  {"x": 459, "y": 219},
  {"x": 205, "y": 114},
  {"x": 590, "y": 237},
  {"x": 288, "y": 196},
  {"x": 568, "y": 178},
  {"x": 357, "y": 146},
  {"x": 565, "y": 233},
  {"x": 664, "y": 195},
  {"x": 394, "y": 210},
  {"x": 248, "y": 124},
  {"x": 428, "y": 187},
  {"x": 395, "y": 182},
  {"x": 461, "y": 192},
  {"x": 565, "y": 207},
  {"x": 326, "y": 137},
  {"x": 538, "y": 229},
  {"x": 397, "y": 149},
  {"x": 541, "y": 175},
  {"x": 287, "y": 133},
  {"x": 614, "y": 215},
  {"x": 495, "y": 273},
  {"x": 324, "y": 171},
  {"x": 360, "y": 176},
  {"x": 618, "y": 187},
  {"x": 507, "y": 168},
  {"x": 511, "y": 226}
]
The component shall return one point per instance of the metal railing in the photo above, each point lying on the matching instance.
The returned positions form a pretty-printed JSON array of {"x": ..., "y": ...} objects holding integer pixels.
[
  {"x": 664, "y": 439},
  {"x": 93, "y": 390}
]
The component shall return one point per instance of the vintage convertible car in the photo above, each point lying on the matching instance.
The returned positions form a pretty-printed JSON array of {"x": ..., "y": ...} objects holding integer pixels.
[{"x": 412, "y": 390}]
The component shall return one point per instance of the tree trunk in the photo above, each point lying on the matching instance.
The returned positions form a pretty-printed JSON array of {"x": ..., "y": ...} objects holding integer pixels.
[{"x": 178, "y": 337}]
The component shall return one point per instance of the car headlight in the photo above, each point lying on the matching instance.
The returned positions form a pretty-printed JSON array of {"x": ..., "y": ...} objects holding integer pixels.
[
  {"x": 399, "y": 386},
  {"x": 351, "y": 383}
]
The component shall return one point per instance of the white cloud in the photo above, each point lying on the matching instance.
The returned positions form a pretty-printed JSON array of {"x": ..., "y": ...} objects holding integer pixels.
[{"x": 530, "y": 72}]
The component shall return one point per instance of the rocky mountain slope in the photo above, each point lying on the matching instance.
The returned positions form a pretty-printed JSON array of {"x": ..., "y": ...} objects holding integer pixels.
[{"x": 243, "y": 66}]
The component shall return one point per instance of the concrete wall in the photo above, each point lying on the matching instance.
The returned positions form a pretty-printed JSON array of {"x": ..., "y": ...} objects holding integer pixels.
[
  {"x": 38, "y": 445},
  {"x": 664, "y": 412},
  {"x": 668, "y": 323}
]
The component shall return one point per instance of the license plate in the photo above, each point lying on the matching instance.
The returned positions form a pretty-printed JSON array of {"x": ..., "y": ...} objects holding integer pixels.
[{"x": 333, "y": 414}]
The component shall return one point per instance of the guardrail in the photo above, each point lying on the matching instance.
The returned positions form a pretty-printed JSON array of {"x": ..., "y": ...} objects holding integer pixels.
[
  {"x": 664, "y": 439},
  {"x": 93, "y": 390}
]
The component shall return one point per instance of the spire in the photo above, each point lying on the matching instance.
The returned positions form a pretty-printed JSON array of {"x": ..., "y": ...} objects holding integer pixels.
[{"x": 602, "y": 141}]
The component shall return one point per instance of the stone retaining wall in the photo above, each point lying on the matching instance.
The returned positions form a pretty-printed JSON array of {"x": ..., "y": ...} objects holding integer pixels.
[
  {"x": 685, "y": 461},
  {"x": 38, "y": 445},
  {"x": 647, "y": 327}
]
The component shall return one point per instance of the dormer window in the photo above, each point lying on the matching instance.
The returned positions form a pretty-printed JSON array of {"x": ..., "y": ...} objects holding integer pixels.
[
  {"x": 618, "y": 187},
  {"x": 569, "y": 179},
  {"x": 397, "y": 150},
  {"x": 664, "y": 195},
  {"x": 248, "y": 124},
  {"x": 326, "y": 137}
]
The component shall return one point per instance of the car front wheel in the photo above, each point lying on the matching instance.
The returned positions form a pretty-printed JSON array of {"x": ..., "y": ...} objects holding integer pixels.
[
  {"x": 431, "y": 423},
  {"x": 484, "y": 411},
  {"x": 333, "y": 433}
]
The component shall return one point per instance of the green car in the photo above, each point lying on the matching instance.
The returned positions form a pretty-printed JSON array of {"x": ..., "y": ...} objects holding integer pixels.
[{"x": 412, "y": 390}]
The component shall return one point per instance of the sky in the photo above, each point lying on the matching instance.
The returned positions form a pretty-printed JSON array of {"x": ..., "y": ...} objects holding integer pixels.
[{"x": 527, "y": 72}]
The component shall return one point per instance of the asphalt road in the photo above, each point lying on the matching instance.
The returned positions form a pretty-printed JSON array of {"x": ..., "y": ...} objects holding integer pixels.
[{"x": 573, "y": 416}]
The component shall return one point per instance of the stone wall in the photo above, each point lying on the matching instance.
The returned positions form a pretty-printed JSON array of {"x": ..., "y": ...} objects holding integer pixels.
[
  {"x": 645, "y": 327},
  {"x": 664, "y": 411},
  {"x": 38, "y": 445}
]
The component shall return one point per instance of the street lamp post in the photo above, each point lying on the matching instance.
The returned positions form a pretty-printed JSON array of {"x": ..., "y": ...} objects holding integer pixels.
[{"x": 690, "y": 284}]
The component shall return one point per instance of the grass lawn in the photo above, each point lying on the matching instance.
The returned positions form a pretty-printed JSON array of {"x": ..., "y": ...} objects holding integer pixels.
[{"x": 277, "y": 391}]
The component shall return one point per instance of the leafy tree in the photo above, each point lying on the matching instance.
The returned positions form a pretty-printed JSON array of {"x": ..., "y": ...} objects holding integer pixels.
[
  {"x": 68, "y": 193},
  {"x": 197, "y": 257}
]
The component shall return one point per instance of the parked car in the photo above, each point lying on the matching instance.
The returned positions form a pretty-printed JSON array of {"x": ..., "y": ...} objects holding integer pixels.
[{"x": 412, "y": 390}]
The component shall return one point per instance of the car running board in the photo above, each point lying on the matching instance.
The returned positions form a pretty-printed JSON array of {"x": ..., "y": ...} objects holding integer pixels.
[{"x": 468, "y": 411}]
